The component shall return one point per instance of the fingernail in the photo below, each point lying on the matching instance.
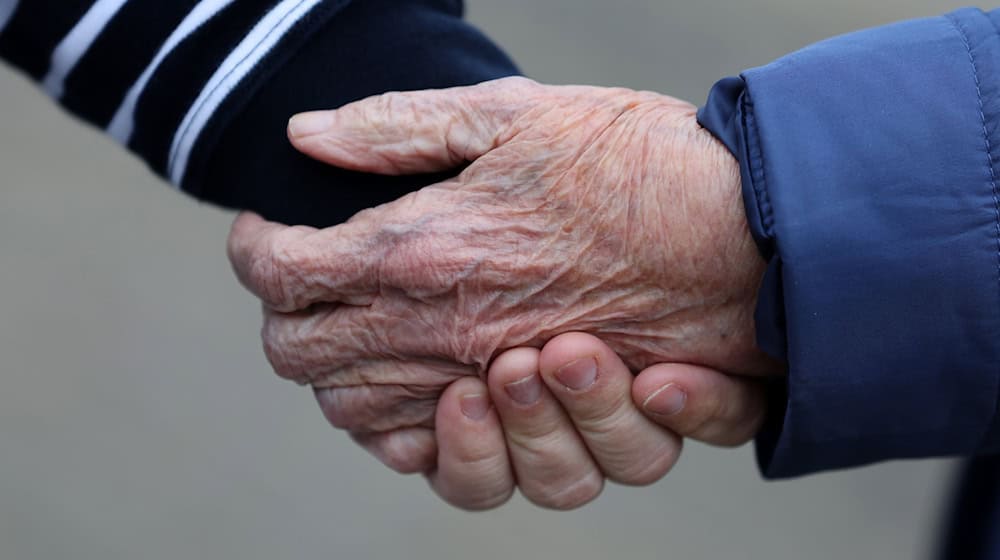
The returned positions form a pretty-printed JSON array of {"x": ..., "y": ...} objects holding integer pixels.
[
  {"x": 525, "y": 391},
  {"x": 475, "y": 407},
  {"x": 308, "y": 124},
  {"x": 666, "y": 401},
  {"x": 578, "y": 375}
]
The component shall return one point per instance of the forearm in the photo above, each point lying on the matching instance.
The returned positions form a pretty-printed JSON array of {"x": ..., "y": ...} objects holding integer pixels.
[{"x": 202, "y": 90}]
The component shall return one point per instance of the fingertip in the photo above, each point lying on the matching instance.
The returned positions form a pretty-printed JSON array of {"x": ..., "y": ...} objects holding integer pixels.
[
  {"x": 339, "y": 137},
  {"x": 568, "y": 348},
  {"x": 475, "y": 503},
  {"x": 309, "y": 123},
  {"x": 701, "y": 403},
  {"x": 512, "y": 366},
  {"x": 398, "y": 132},
  {"x": 661, "y": 385},
  {"x": 587, "y": 377},
  {"x": 465, "y": 400}
]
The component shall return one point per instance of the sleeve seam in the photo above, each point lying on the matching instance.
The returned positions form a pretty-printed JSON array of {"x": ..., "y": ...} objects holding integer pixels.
[
  {"x": 963, "y": 34},
  {"x": 755, "y": 161}
]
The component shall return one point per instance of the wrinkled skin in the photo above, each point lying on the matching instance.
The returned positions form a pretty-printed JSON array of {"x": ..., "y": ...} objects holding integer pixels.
[{"x": 605, "y": 211}]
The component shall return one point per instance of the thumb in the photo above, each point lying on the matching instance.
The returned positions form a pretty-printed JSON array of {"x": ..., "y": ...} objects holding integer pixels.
[
  {"x": 413, "y": 132},
  {"x": 701, "y": 403}
]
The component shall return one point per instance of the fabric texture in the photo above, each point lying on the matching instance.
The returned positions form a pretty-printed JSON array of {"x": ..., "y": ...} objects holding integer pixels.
[
  {"x": 91, "y": 55},
  {"x": 202, "y": 89},
  {"x": 370, "y": 47},
  {"x": 870, "y": 177}
]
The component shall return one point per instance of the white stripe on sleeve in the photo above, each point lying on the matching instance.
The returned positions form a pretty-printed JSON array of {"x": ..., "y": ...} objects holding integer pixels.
[
  {"x": 7, "y": 8},
  {"x": 261, "y": 39},
  {"x": 75, "y": 45},
  {"x": 123, "y": 123}
]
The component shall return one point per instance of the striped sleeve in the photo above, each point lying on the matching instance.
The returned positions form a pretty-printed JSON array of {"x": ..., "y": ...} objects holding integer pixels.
[{"x": 160, "y": 77}]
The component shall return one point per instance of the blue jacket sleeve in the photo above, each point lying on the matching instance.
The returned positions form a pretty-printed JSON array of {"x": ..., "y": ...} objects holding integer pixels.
[{"x": 870, "y": 177}]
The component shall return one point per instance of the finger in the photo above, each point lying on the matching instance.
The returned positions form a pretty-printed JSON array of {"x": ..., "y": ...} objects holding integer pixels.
[
  {"x": 413, "y": 132},
  {"x": 252, "y": 249},
  {"x": 395, "y": 246},
  {"x": 378, "y": 408},
  {"x": 701, "y": 403},
  {"x": 551, "y": 462},
  {"x": 406, "y": 451},
  {"x": 331, "y": 346},
  {"x": 291, "y": 268},
  {"x": 473, "y": 471},
  {"x": 594, "y": 386}
]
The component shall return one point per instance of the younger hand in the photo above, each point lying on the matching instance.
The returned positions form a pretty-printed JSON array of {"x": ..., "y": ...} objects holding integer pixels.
[{"x": 556, "y": 423}]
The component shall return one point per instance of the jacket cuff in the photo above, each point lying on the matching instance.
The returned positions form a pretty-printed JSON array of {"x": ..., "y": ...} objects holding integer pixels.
[{"x": 869, "y": 166}]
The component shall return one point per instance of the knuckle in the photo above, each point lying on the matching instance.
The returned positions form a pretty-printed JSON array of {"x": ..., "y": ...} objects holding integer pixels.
[
  {"x": 395, "y": 105},
  {"x": 478, "y": 485},
  {"x": 732, "y": 439},
  {"x": 267, "y": 276},
  {"x": 332, "y": 403},
  {"x": 739, "y": 431},
  {"x": 280, "y": 349},
  {"x": 308, "y": 347},
  {"x": 702, "y": 420},
  {"x": 650, "y": 471},
  {"x": 273, "y": 349},
  {"x": 401, "y": 461},
  {"x": 279, "y": 271},
  {"x": 379, "y": 408},
  {"x": 480, "y": 456},
  {"x": 643, "y": 476},
  {"x": 697, "y": 420},
  {"x": 401, "y": 456},
  {"x": 571, "y": 495},
  {"x": 482, "y": 499},
  {"x": 725, "y": 422},
  {"x": 536, "y": 439},
  {"x": 604, "y": 416},
  {"x": 519, "y": 83},
  {"x": 421, "y": 261}
]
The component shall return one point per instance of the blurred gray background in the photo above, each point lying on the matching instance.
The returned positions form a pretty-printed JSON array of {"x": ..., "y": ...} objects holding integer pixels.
[{"x": 139, "y": 419}]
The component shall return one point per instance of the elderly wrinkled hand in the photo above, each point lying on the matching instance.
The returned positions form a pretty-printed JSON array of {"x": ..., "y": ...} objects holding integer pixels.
[{"x": 606, "y": 211}]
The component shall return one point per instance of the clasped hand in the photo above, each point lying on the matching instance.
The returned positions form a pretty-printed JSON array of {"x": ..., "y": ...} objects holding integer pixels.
[{"x": 579, "y": 210}]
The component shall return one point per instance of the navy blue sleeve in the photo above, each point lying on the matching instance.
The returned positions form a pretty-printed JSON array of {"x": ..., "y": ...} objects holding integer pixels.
[
  {"x": 368, "y": 48},
  {"x": 202, "y": 90},
  {"x": 870, "y": 177}
]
